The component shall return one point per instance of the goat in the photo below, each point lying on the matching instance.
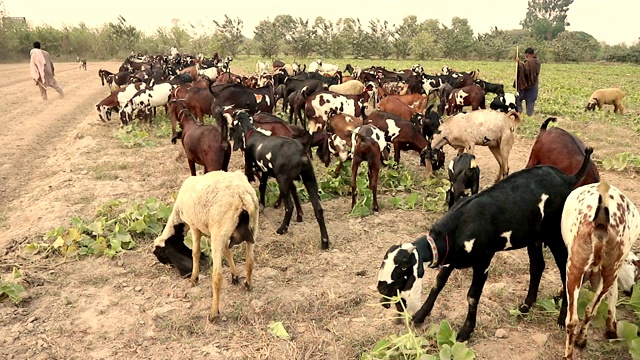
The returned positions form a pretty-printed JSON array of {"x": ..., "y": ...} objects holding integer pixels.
[
  {"x": 482, "y": 127},
  {"x": 504, "y": 102},
  {"x": 82, "y": 63},
  {"x": 146, "y": 100},
  {"x": 599, "y": 226},
  {"x": 610, "y": 96},
  {"x": 319, "y": 104},
  {"x": 464, "y": 174},
  {"x": 368, "y": 144},
  {"x": 562, "y": 149},
  {"x": 203, "y": 144},
  {"x": 497, "y": 89},
  {"x": 351, "y": 87},
  {"x": 339, "y": 130},
  {"x": 466, "y": 96},
  {"x": 283, "y": 159},
  {"x": 523, "y": 210},
  {"x": 223, "y": 206}
]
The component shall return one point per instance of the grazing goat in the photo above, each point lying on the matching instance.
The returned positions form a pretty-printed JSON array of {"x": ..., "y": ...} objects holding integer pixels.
[
  {"x": 203, "y": 144},
  {"x": 368, "y": 145},
  {"x": 523, "y": 210},
  {"x": 223, "y": 206},
  {"x": 82, "y": 63},
  {"x": 466, "y": 96},
  {"x": 283, "y": 159},
  {"x": 482, "y": 127},
  {"x": 464, "y": 174},
  {"x": 397, "y": 107},
  {"x": 319, "y": 104},
  {"x": 504, "y": 102},
  {"x": 339, "y": 130},
  {"x": 145, "y": 101},
  {"x": 562, "y": 149},
  {"x": 117, "y": 100},
  {"x": 599, "y": 226},
  {"x": 610, "y": 96}
]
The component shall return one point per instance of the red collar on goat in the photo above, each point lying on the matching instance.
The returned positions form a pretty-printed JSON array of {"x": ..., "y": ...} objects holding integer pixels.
[
  {"x": 246, "y": 139},
  {"x": 434, "y": 251}
]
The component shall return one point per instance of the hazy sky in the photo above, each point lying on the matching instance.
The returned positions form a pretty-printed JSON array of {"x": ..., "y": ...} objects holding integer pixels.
[{"x": 614, "y": 22}]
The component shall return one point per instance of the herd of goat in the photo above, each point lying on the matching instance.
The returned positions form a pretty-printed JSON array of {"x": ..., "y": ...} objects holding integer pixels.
[{"x": 557, "y": 201}]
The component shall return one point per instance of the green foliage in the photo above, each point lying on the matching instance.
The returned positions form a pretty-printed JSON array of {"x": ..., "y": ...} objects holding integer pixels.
[
  {"x": 116, "y": 227},
  {"x": 231, "y": 35},
  {"x": 622, "y": 161},
  {"x": 546, "y": 18},
  {"x": 438, "y": 344},
  {"x": 134, "y": 137},
  {"x": 575, "y": 46},
  {"x": 11, "y": 289}
]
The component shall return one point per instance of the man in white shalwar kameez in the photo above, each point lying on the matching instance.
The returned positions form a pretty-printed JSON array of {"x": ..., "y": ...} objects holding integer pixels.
[{"x": 42, "y": 70}]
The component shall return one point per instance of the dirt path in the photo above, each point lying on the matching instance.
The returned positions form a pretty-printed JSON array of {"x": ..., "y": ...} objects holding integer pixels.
[
  {"x": 36, "y": 134},
  {"x": 57, "y": 160}
]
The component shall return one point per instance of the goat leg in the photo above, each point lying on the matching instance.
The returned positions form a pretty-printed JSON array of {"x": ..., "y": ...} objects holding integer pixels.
[
  {"x": 480, "y": 273},
  {"x": 441, "y": 281},
  {"x": 296, "y": 201},
  {"x": 536, "y": 268},
  {"x": 285, "y": 190}
]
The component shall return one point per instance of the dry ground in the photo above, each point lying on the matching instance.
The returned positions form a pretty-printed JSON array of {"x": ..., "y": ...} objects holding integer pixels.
[{"x": 58, "y": 160}]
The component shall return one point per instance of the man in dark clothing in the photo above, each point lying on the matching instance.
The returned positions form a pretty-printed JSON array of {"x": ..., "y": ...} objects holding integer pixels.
[{"x": 528, "y": 73}]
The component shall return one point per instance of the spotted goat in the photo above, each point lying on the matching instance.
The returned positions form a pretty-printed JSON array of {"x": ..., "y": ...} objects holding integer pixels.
[
  {"x": 469, "y": 235},
  {"x": 599, "y": 226}
]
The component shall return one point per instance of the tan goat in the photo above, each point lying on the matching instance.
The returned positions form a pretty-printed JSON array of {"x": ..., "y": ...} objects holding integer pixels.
[
  {"x": 480, "y": 127},
  {"x": 609, "y": 96}
]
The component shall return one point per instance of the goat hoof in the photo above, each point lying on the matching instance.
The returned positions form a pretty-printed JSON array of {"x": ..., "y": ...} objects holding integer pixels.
[
  {"x": 276, "y": 205},
  {"x": 282, "y": 230},
  {"x": 418, "y": 319},
  {"x": 247, "y": 286},
  {"x": 610, "y": 334},
  {"x": 193, "y": 281},
  {"x": 325, "y": 244},
  {"x": 582, "y": 343},
  {"x": 524, "y": 308},
  {"x": 235, "y": 280},
  {"x": 261, "y": 210},
  {"x": 213, "y": 318},
  {"x": 463, "y": 335},
  {"x": 299, "y": 218}
]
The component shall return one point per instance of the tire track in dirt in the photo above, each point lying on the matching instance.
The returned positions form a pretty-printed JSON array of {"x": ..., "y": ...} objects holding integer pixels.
[{"x": 35, "y": 132}]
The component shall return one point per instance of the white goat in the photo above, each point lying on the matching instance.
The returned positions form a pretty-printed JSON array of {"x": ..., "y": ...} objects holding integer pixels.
[
  {"x": 223, "y": 206},
  {"x": 480, "y": 127},
  {"x": 351, "y": 87},
  {"x": 262, "y": 67},
  {"x": 599, "y": 225},
  {"x": 146, "y": 99}
]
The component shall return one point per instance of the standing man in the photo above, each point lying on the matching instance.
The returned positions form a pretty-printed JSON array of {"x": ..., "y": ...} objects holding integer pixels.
[
  {"x": 528, "y": 73},
  {"x": 42, "y": 70}
]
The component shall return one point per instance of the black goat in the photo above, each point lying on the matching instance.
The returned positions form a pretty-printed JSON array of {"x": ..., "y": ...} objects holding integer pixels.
[
  {"x": 283, "y": 159},
  {"x": 464, "y": 173},
  {"x": 522, "y": 210},
  {"x": 488, "y": 87}
]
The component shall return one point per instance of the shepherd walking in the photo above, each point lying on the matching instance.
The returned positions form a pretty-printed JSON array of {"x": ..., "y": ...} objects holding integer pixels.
[{"x": 42, "y": 70}]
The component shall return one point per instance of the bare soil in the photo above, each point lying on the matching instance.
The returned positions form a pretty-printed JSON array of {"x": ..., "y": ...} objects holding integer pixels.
[{"x": 57, "y": 160}]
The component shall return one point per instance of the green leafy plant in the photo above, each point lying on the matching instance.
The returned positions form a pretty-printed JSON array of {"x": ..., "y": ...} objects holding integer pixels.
[
  {"x": 134, "y": 137},
  {"x": 622, "y": 161},
  {"x": 117, "y": 226},
  {"x": 11, "y": 289},
  {"x": 438, "y": 344}
]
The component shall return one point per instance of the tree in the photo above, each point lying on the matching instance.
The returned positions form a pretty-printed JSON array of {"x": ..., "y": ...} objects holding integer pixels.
[
  {"x": 575, "y": 46},
  {"x": 124, "y": 36},
  {"x": 360, "y": 40},
  {"x": 230, "y": 32},
  {"x": 300, "y": 37},
  {"x": 403, "y": 35},
  {"x": 267, "y": 36},
  {"x": 425, "y": 46},
  {"x": 546, "y": 19},
  {"x": 457, "y": 41},
  {"x": 494, "y": 45},
  {"x": 330, "y": 41},
  {"x": 380, "y": 36}
]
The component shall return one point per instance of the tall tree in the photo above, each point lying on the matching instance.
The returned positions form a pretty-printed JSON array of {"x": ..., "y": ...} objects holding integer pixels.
[
  {"x": 361, "y": 40},
  {"x": 457, "y": 41},
  {"x": 126, "y": 36},
  {"x": 329, "y": 41},
  {"x": 230, "y": 31},
  {"x": 403, "y": 35},
  {"x": 299, "y": 37},
  {"x": 267, "y": 36},
  {"x": 380, "y": 37},
  {"x": 546, "y": 19}
]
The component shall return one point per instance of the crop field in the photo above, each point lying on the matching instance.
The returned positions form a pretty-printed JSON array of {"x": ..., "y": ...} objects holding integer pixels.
[{"x": 81, "y": 202}]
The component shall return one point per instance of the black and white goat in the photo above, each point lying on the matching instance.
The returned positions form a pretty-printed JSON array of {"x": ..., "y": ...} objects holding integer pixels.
[
  {"x": 504, "y": 102},
  {"x": 283, "y": 159},
  {"x": 464, "y": 174},
  {"x": 522, "y": 210}
]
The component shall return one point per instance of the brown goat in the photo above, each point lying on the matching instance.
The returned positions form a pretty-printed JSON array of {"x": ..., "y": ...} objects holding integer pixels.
[
  {"x": 467, "y": 96},
  {"x": 368, "y": 143},
  {"x": 560, "y": 148},
  {"x": 396, "y": 106},
  {"x": 339, "y": 129},
  {"x": 203, "y": 144}
]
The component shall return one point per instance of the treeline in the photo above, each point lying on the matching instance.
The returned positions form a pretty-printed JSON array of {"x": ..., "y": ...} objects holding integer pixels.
[{"x": 286, "y": 35}]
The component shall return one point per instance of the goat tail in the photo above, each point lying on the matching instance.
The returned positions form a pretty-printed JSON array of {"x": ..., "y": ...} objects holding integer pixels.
[
  {"x": 516, "y": 117},
  {"x": 544, "y": 125},
  {"x": 601, "y": 218},
  {"x": 578, "y": 176}
]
